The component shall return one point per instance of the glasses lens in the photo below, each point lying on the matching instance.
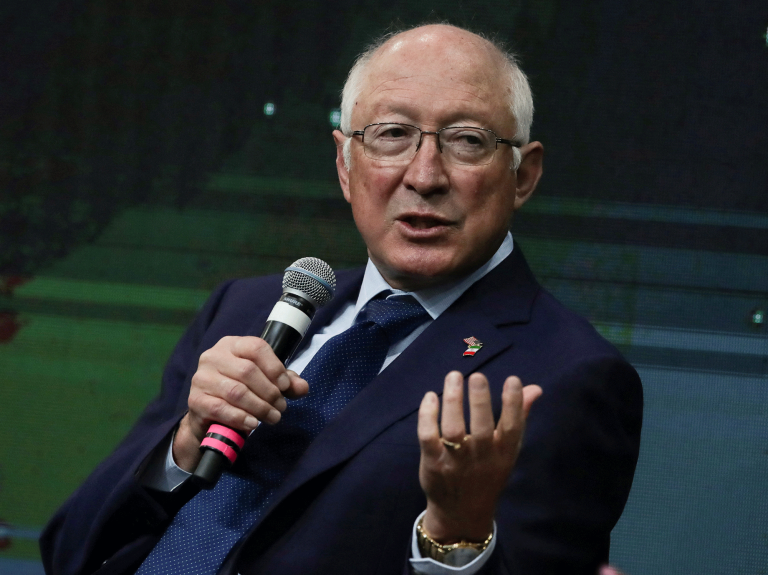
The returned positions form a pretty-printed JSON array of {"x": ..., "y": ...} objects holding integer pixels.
[
  {"x": 390, "y": 141},
  {"x": 470, "y": 146}
]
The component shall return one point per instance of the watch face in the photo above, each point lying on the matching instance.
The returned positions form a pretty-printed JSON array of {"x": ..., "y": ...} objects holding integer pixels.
[{"x": 460, "y": 557}]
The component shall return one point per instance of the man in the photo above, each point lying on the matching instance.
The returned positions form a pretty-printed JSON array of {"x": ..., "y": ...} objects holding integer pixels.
[{"x": 434, "y": 158}]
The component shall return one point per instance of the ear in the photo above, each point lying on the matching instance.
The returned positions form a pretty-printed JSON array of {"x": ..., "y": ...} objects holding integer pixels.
[
  {"x": 341, "y": 165},
  {"x": 529, "y": 172}
]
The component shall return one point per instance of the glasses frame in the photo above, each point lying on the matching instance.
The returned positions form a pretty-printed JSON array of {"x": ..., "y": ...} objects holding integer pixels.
[{"x": 498, "y": 140}]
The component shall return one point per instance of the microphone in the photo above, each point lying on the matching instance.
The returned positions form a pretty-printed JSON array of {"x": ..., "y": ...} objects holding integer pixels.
[{"x": 308, "y": 284}]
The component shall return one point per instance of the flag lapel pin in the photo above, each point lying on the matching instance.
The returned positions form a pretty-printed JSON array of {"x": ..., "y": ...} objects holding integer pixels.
[{"x": 474, "y": 346}]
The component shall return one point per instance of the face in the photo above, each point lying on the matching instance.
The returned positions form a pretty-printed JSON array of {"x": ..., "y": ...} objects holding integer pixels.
[{"x": 428, "y": 221}]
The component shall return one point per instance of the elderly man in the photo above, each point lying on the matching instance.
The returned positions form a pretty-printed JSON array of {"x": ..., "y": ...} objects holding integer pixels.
[{"x": 434, "y": 158}]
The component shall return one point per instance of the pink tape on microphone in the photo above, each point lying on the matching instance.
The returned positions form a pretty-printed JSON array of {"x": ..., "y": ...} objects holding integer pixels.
[
  {"x": 221, "y": 447},
  {"x": 230, "y": 434}
]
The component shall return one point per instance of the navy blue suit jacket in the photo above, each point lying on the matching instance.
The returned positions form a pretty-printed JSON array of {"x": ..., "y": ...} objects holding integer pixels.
[{"x": 349, "y": 504}]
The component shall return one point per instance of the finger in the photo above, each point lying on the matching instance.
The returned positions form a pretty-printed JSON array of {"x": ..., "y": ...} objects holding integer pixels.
[
  {"x": 248, "y": 373},
  {"x": 530, "y": 394},
  {"x": 259, "y": 352},
  {"x": 207, "y": 382},
  {"x": 427, "y": 429},
  {"x": 298, "y": 387},
  {"x": 452, "y": 418},
  {"x": 510, "y": 426},
  {"x": 238, "y": 381},
  {"x": 208, "y": 409},
  {"x": 481, "y": 422}
]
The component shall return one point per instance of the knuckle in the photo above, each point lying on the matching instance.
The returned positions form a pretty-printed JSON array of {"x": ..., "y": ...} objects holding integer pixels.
[
  {"x": 452, "y": 433},
  {"x": 271, "y": 394},
  {"x": 226, "y": 343},
  {"x": 424, "y": 435},
  {"x": 246, "y": 370},
  {"x": 264, "y": 355},
  {"x": 199, "y": 380},
  {"x": 268, "y": 371},
  {"x": 194, "y": 402},
  {"x": 217, "y": 410},
  {"x": 207, "y": 356},
  {"x": 236, "y": 393},
  {"x": 258, "y": 344},
  {"x": 246, "y": 346},
  {"x": 236, "y": 345}
]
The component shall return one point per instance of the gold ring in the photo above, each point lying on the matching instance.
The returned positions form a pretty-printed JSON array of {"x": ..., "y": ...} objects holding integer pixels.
[{"x": 455, "y": 445}]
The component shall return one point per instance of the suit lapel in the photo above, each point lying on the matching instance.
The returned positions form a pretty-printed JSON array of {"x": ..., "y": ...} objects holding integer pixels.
[{"x": 503, "y": 297}]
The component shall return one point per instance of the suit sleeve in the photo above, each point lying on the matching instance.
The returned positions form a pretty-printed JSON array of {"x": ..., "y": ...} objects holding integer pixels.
[
  {"x": 112, "y": 519},
  {"x": 574, "y": 473}
]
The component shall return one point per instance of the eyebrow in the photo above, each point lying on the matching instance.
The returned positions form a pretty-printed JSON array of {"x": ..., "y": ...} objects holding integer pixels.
[{"x": 399, "y": 116}]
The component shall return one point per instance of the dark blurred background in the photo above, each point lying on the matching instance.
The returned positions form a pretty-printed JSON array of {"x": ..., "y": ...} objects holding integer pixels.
[{"x": 149, "y": 150}]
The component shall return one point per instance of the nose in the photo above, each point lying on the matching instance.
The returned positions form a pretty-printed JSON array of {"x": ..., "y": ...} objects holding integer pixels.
[
  {"x": 426, "y": 133},
  {"x": 426, "y": 174}
]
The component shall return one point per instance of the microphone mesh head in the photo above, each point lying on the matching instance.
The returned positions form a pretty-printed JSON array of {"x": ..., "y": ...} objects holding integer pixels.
[{"x": 313, "y": 277}]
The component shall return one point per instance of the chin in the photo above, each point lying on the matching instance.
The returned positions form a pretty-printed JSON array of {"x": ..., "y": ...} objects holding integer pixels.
[{"x": 412, "y": 271}]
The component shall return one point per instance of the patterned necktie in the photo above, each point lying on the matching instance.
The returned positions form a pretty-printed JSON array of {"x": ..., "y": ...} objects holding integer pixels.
[{"x": 209, "y": 525}]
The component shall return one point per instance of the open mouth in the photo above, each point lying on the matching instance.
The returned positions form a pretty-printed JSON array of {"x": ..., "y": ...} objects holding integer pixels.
[{"x": 423, "y": 222}]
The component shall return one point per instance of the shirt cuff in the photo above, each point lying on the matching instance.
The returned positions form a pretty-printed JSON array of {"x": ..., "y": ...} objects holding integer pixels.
[
  {"x": 428, "y": 566},
  {"x": 162, "y": 473}
]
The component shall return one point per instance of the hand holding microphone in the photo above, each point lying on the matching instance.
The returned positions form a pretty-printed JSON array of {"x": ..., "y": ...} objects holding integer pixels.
[
  {"x": 242, "y": 380},
  {"x": 239, "y": 382}
]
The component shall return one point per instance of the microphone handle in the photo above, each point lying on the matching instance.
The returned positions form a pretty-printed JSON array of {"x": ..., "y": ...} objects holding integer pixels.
[
  {"x": 283, "y": 331},
  {"x": 282, "y": 338}
]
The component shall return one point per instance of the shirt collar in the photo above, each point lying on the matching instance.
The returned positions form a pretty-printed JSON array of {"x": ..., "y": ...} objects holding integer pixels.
[{"x": 435, "y": 300}]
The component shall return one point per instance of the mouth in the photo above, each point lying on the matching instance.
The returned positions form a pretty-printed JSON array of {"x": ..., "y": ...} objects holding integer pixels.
[
  {"x": 424, "y": 226},
  {"x": 423, "y": 222}
]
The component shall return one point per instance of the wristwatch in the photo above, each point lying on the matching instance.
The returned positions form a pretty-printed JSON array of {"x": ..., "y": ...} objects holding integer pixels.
[{"x": 455, "y": 554}]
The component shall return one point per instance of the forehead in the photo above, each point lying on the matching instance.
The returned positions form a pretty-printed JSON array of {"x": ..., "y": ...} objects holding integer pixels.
[{"x": 436, "y": 79}]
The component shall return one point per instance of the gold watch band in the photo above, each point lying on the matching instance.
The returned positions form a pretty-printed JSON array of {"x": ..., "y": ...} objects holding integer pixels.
[{"x": 437, "y": 551}]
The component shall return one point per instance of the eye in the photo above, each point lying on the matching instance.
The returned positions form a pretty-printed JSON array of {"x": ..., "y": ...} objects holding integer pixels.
[
  {"x": 393, "y": 132},
  {"x": 471, "y": 140},
  {"x": 466, "y": 139}
]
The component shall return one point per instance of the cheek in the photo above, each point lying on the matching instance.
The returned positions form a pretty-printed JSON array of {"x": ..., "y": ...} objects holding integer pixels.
[
  {"x": 488, "y": 205},
  {"x": 477, "y": 195},
  {"x": 371, "y": 195},
  {"x": 369, "y": 210}
]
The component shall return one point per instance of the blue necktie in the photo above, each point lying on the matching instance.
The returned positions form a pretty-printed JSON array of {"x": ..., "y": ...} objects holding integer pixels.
[{"x": 208, "y": 526}]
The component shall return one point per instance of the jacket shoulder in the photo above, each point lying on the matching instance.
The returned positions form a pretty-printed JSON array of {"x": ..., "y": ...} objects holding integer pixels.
[{"x": 566, "y": 331}]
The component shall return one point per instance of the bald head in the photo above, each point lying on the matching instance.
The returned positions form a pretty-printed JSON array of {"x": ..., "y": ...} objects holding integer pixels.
[
  {"x": 427, "y": 211},
  {"x": 441, "y": 49}
]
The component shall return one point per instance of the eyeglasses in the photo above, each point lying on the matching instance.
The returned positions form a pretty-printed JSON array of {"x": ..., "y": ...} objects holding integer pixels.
[{"x": 465, "y": 145}]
